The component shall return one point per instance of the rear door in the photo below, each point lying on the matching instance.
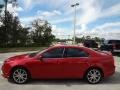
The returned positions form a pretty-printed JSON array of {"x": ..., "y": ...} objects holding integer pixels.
[{"x": 74, "y": 63}]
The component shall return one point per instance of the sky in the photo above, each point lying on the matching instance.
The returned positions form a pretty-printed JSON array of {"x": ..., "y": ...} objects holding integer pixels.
[{"x": 93, "y": 17}]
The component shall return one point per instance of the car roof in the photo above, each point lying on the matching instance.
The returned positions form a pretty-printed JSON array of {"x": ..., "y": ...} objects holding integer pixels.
[
  {"x": 89, "y": 50},
  {"x": 69, "y": 46}
]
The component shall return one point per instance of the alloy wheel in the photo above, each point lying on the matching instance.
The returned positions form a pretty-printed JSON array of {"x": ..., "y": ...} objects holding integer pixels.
[
  {"x": 20, "y": 76},
  {"x": 94, "y": 76}
]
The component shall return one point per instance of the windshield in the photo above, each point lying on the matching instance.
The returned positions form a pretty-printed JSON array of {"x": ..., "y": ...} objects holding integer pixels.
[{"x": 33, "y": 54}]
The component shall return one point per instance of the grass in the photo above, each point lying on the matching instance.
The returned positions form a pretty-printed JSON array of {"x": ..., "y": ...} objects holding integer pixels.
[{"x": 21, "y": 49}]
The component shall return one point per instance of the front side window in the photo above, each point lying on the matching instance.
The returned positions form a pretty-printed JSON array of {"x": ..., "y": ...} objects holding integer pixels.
[
  {"x": 54, "y": 53},
  {"x": 75, "y": 52}
]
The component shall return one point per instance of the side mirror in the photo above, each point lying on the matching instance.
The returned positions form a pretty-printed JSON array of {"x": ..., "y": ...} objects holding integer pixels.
[{"x": 40, "y": 58}]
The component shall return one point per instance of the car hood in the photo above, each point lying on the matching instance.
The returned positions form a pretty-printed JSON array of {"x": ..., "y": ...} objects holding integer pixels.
[{"x": 18, "y": 57}]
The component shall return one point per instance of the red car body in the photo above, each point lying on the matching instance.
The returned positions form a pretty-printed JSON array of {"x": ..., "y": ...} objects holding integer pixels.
[{"x": 61, "y": 68}]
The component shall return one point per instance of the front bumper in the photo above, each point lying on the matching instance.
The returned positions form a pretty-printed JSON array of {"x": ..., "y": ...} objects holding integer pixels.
[
  {"x": 5, "y": 70},
  {"x": 5, "y": 75}
]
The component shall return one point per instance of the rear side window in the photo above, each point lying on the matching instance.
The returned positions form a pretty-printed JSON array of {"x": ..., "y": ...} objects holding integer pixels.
[
  {"x": 54, "y": 53},
  {"x": 75, "y": 52}
]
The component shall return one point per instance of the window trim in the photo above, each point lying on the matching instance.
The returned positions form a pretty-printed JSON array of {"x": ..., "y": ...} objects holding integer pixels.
[
  {"x": 52, "y": 49},
  {"x": 65, "y": 56}
]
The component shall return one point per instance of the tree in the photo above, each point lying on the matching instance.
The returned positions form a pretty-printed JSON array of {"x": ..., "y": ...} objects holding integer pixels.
[
  {"x": 41, "y": 33},
  {"x": 4, "y": 33},
  {"x": 11, "y": 31},
  {"x": 79, "y": 39},
  {"x": 97, "y": 39},
  {"x": 23, "y": 36},
  {"x": 9, "y": 26}
]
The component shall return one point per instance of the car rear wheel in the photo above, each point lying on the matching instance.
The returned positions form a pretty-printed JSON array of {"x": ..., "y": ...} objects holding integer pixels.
[
  {"x": 94, "y": 76},
  {"x": 20, "y": 76}
]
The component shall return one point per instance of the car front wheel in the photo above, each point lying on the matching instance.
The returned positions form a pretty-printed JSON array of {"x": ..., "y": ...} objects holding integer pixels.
[{"x": 20, "y": 76}]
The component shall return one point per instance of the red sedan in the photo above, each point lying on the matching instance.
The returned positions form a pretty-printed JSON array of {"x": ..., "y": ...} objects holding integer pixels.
[{"x": 60, "y": 62}]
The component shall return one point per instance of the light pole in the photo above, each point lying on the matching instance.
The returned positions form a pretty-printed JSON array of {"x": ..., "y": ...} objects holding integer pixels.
[{"x": 74, "y": 5}]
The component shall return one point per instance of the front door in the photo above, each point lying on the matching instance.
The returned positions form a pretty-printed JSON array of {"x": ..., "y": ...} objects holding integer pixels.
[{"x": 48, "y": 67}]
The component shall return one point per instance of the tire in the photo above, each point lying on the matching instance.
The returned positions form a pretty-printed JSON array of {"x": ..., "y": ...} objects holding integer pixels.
[
  {"x": 20, "y": 76},
  {"x": 94, "y": 76}
]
